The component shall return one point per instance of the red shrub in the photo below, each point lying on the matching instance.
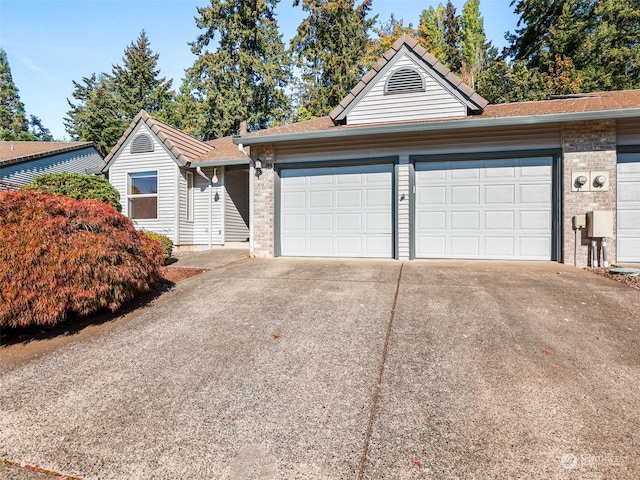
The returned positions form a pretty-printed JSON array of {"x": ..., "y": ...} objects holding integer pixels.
[{"x": 59, "y": 255}]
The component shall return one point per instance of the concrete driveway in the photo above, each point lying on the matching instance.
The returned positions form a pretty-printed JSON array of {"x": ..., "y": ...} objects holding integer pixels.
[{"x": 326, "y": 369}]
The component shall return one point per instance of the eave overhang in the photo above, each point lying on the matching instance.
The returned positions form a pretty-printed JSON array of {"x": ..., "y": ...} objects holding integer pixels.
[{"x": 433, "y": 126}]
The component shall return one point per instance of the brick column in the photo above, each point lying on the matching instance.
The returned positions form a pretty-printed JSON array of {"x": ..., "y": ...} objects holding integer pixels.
[
  {"x": 586, "y": 147},
  {"x": 264, "y": 206}
]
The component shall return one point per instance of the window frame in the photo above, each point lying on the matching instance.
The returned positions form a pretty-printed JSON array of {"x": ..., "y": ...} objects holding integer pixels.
[{"x": 131, "y": 197}]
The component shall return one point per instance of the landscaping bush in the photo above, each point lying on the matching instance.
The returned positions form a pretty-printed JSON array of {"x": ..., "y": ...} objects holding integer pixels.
[
  {"x": 165, "y": 242},
  {"x": 78, "y": 186},
  {"x": 59, "y": 255}
]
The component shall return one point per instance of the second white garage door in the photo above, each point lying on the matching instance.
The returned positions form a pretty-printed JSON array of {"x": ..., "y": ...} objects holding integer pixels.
[
  {"x": 484, "y": 209},
  {"x": 629, "y": 207},
  {"x": 337, "y": 211}
]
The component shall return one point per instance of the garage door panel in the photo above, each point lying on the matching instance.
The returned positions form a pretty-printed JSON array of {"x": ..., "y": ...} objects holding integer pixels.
[
  {"x": 347, "y": 210},
  {"x": 534, "y": 248},
  {"x": 499, "y": 220},
  {"x": 432, "y": 196},
  {"x": 465, "y": 195},
  {"x": 320, "y": 199},
  {"x": 294, "y": 200},
  {"x": 505, "y": 194},
  {"x": 535, "y": 194},
  {"x": 464, "y": 247},
  {"x": 629, "y": 192},
  {"x": 431, "y": 220},
  {"x": 504, "y": 207},
  {"x": 630, "y": 218},
  {"x": 349, "y": 199},
  {"x": 320, "y": 222},
  {"x": 465, "y": 220},
  {"x": 499, "y": 247},
  {"x": 534, "y": 219}
]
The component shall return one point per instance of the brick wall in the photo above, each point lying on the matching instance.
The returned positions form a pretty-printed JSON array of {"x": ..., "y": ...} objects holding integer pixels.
[
  {"x": 587, "y": 146},
  {"x": 264, "y": 206}
]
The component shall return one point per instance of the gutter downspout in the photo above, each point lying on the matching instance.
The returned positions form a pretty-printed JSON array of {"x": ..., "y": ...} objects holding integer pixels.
[
  {"x": 251, "y": 203},
  {"x": 210, "y": 181}
]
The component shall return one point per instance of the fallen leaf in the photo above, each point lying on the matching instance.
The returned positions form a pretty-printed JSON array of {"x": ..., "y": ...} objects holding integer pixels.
[
  {"x": 417, "y": 463},
  {"x": 548, "y": 352},
  {"x": 276, "y": 336}
]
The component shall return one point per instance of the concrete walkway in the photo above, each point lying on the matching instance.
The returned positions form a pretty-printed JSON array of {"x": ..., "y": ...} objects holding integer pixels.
[{"x": 327, "y": 369}]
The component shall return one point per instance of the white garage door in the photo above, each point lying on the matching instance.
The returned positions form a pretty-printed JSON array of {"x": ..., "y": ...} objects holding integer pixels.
[
  {"x": 337, "y": 212},
  {"x": 491, "y": 209},
  {"x": 629, "y": 207}
]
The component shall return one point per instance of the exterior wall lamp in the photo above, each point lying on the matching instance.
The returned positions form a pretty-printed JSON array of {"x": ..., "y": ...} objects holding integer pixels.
[{"x": 257, "y": 164}]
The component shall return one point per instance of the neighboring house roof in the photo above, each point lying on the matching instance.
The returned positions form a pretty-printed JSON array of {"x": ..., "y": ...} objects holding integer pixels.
[
  {"x": 599, "y": 105},
  {"x": 474, "y": 102},
  {"x": 186, "y": 149},
  {"x": 16, "y": 152}
]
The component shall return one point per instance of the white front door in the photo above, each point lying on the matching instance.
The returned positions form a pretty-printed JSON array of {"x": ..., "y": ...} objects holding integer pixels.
[
  {"x": 337, "y": 211},
  {"x": 484, "y": 209}
]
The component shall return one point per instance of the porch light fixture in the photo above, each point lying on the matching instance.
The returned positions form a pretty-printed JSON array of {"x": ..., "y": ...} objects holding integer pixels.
[
  {"x": 257, "y": 164},
  {"x": 214, "y": 179}
]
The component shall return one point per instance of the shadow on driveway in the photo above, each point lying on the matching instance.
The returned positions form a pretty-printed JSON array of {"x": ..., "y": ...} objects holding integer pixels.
[{"x": 269, "y": 369}]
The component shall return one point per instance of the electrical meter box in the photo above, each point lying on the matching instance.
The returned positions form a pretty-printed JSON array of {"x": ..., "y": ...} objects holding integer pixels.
[{"x": 599, "y": 224}]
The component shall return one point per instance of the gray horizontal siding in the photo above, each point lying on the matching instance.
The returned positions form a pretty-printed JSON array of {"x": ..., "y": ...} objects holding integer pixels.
[
  {"x": 430, "y": 143},
  {"x": 158, "y": 160},
  {"x": 628, "y": 131},
  {"x": 435, "y": 102},
  {"x": 77, "y": 161}
]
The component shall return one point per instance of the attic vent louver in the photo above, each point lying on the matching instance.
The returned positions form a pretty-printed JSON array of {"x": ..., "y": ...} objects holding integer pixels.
[
  {"x": 142, "y": 144},
  {"x": 404, "y": 80}
]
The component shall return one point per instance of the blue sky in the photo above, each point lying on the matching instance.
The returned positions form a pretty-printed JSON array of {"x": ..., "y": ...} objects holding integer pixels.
[{"x": 50, "y": 43}]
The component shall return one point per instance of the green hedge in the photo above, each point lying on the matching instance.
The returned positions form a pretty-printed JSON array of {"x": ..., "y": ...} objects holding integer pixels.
[
  {"x": 167, "y": 244},
  {"x": 78, "y": 186}
]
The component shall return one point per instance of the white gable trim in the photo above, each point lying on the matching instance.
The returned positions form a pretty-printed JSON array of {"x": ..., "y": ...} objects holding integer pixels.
[{"x": 421, "y": 65}]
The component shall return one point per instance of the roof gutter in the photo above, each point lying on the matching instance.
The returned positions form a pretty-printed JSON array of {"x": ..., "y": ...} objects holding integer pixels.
[
  {"x": 218, "y": 163},
  {"x": 467, "y": 123}
]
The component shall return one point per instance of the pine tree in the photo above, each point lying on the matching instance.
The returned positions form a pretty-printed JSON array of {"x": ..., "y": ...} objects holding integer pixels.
[
  {"x": 136, "y": 84},
  {"x": 97, "y": 117},
  {"x": 453, "y": 56},
  {"x": 473, "y": 42},
  {"x": 13, "y": 119},
  {"x": 328, "y": 49},
  {"x": 243, "y": 82}
]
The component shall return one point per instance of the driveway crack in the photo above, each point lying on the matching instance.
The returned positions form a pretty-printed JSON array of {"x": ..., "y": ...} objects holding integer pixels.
[{"x": 376, "y": 390}]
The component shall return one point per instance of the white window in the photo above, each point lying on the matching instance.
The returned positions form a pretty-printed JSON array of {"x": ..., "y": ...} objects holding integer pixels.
[
  {"x": 189, "y": 196},
  {"x": 143, "y": 195}
]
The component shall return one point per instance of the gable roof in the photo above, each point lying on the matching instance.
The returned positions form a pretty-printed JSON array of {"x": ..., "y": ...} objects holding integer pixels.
[
  {"x": 186, "y": 150},
  {"x": 16, "y": 152},
  {"x": 474, "y": 102},
  {"x": 580, "y": 107}
]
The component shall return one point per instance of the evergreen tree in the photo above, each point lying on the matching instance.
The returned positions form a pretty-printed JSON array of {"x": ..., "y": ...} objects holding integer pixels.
[
  {"x": 328, "y": 49},
  {"x": 453, "y": 56},
  {"x": 241, "y": 83},
  {"x": 13, "y": 119},
  {"x": 473, "y": 42},
  {"x": 39, "y": 131},
  {"x": 97, "y": 117},
  {"x": 136, "y": 84}
]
